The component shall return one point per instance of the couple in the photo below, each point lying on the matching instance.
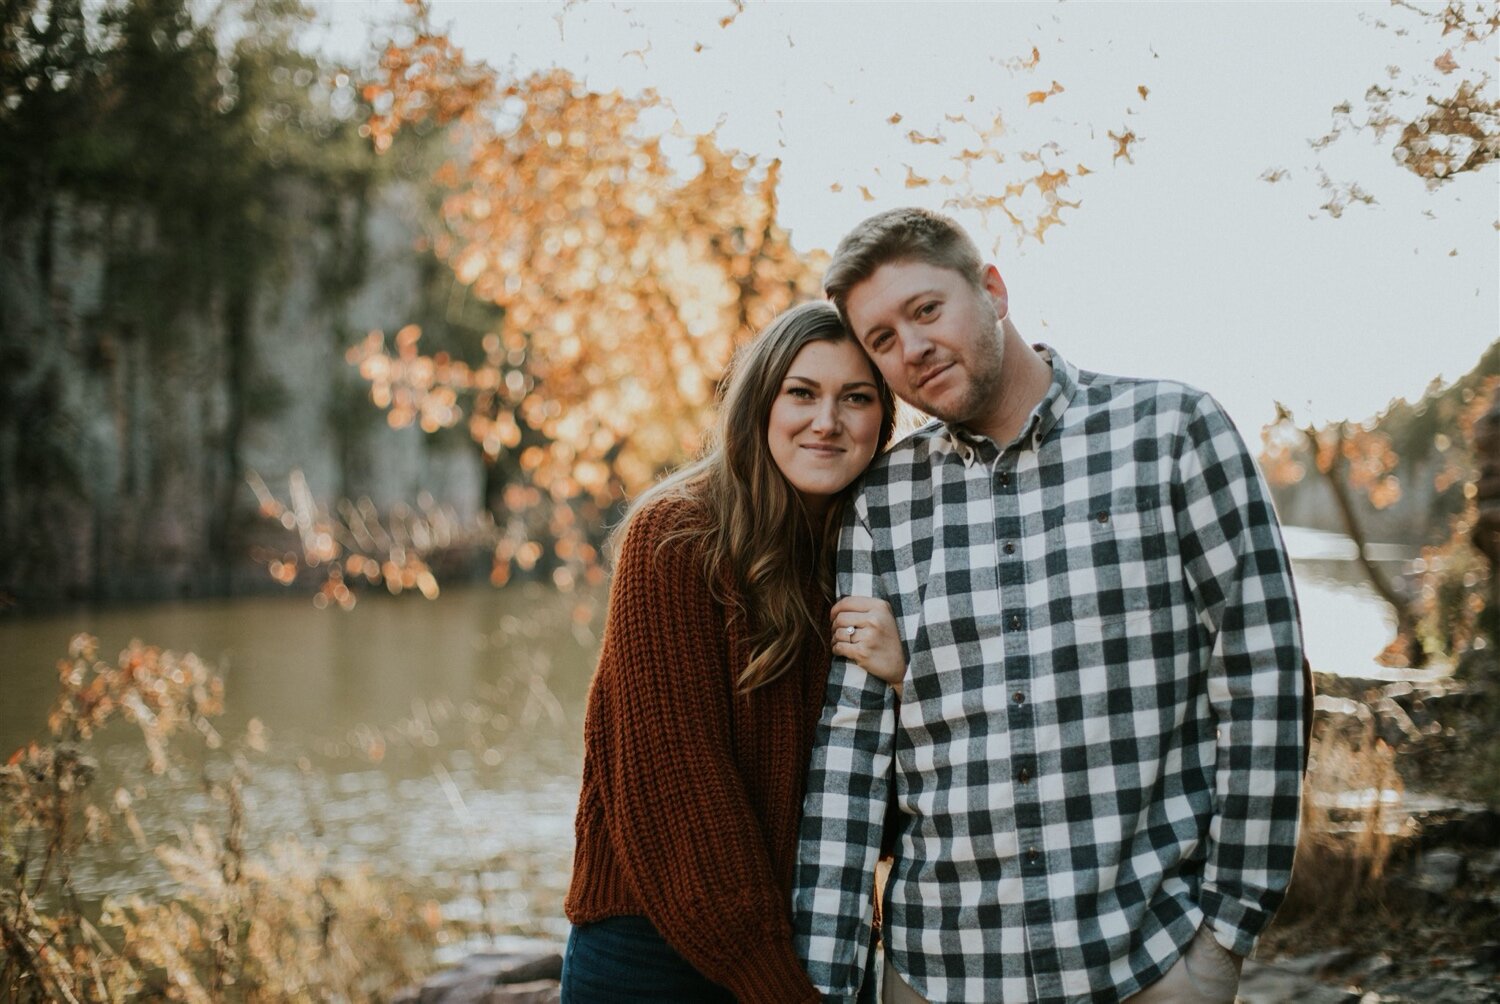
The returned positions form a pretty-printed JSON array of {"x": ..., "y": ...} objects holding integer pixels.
[{"x": 1063, "y": 686}]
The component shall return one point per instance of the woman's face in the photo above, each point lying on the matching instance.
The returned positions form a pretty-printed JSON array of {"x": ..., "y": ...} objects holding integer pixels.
[{"x": 825, "y": 422}]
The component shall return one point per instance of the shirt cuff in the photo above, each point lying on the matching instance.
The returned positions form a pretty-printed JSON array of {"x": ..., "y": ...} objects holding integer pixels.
[{"x": 1235, "y": 925}]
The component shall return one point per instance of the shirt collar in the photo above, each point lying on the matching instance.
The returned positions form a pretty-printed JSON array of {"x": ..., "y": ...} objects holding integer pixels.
[{"x": 973, "y": 447}]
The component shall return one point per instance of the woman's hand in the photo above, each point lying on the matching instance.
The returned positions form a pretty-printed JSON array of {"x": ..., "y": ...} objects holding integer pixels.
[{"x": 864, "y": 632}]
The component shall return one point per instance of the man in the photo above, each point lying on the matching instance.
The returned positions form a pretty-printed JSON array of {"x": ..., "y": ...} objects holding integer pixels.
[{"x": 1098, "y": 756}]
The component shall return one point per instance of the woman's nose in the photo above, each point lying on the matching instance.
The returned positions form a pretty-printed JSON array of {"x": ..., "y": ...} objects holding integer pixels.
[{"x": 826, "y": 418}]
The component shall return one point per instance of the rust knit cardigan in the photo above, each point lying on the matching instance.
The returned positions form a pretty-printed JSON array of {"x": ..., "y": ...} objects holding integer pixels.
[{"x": 692, "y": 795}]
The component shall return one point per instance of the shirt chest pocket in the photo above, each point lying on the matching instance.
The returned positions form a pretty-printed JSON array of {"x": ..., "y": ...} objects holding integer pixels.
[{"x": 1107, "y": 563}]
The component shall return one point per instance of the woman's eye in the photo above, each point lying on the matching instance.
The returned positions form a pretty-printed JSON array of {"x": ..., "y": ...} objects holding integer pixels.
[
  {"x": 859, "y": 397},
  {"x": 800, "y": 392}
]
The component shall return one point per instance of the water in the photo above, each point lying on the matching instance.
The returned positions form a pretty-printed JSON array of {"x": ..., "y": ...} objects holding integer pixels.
[
  {"x": 435, "y": 740},
  {"x": 438, "y": 740},
  {"x": 1345, "y": 623}
]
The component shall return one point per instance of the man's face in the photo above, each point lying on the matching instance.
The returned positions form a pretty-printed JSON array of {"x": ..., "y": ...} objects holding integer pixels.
[{"x": 934, "y": 337}]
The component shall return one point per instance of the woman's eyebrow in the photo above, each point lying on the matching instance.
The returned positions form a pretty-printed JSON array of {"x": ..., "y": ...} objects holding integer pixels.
[{"x": 814, "y": 383}]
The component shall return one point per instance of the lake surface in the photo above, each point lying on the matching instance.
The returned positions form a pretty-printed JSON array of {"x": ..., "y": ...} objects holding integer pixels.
[{"x": 441, "y": 740}]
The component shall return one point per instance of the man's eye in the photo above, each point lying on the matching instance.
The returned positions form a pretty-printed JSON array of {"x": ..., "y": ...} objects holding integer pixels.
[
  {"x": 881, "y": 340},
  {"x": 927, "y": 309}
]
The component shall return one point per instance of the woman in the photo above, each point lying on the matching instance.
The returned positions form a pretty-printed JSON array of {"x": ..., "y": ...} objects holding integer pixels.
[{"x": 711, "y": 677}]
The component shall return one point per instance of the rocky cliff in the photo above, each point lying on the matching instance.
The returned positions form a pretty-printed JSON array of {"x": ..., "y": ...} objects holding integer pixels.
[{"x": 137, "y": 390}]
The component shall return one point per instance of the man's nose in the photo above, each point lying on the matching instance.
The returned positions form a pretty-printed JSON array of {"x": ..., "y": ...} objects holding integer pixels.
[{"x": 914, "y": 346}]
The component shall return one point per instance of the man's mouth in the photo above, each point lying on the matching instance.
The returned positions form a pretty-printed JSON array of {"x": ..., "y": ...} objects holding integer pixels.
[{"x": 930, "y": 375}]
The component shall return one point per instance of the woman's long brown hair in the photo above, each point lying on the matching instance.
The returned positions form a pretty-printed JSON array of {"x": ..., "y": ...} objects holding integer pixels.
[{"x": 755, "y": 527}]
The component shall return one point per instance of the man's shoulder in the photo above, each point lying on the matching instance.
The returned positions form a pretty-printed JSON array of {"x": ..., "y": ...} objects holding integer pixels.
[
  {"x": 909, "y": 458},
  {"x": 1155, "y": 394}
]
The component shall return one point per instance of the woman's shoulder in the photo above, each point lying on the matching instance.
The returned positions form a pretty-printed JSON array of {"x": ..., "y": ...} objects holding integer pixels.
[
  {"x": 671, "y": 511},
  {"x": 672, "y": 522}
]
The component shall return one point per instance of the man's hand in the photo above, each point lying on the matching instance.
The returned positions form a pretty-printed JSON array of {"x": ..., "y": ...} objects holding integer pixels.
[{"x": 864, "y": 632}]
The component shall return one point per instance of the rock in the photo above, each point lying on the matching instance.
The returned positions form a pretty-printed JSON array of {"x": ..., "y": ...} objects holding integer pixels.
[
  {"x": 516, "y": 967},
  {"x": 492, "y": 978},
  {"x": 1369, "y": 969},
  {"x": 1434, "y": 989},
  {"x": 535, "y": 992},
  {"x": 1439, "y": 872},
  {"x": 1272, "y": 983},
  {"x": 1459, "y": 823},
  {"x": 1319, "y": 964}
]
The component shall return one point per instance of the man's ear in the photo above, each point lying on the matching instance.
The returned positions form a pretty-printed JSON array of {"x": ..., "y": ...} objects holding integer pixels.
[{"x": 994, "y": 286}]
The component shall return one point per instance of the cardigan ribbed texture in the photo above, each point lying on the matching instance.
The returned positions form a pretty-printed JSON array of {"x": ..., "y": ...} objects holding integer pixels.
[{"x": 692, "y": 794}]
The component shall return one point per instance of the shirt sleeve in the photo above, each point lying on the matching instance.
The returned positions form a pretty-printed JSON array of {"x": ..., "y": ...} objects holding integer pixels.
[
  {"x": 679, "y": 818},
  {"x": 844, "y": 810},
  {"x": 1241, "y": 583}
]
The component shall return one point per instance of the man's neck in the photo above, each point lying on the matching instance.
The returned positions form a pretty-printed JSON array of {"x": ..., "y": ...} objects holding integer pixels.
[{"x": 1024, "y": 379}]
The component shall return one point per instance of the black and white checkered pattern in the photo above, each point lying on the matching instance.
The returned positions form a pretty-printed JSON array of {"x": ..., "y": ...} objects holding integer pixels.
[{"x": 1101, "y": 740}]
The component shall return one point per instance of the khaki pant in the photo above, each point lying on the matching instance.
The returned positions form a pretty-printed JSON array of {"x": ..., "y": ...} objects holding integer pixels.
[
  {"x": 1205, "y": 973},
  {"x": 895, "y": 990}
]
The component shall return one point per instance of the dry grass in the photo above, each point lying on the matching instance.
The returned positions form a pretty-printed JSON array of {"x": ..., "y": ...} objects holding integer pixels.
[
  {"x": 279, "y": 926},
  {"x": 1352, "y": 822}
]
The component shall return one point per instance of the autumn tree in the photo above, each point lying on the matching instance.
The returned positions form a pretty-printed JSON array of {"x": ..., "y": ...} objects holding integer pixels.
[
  {"x": 1445, "y": 614},
  {"x": 625, "y": 279},
  {"x": 625, "y": 288},
  {"x": 1439, "y": 120}
]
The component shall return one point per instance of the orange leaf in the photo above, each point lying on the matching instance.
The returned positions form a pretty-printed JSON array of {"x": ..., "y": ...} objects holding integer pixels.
[{"x": 1037, "y": 97}]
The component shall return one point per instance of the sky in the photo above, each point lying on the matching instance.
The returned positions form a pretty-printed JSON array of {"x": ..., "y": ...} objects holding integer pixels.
[{"x": 1187, "y": 263}]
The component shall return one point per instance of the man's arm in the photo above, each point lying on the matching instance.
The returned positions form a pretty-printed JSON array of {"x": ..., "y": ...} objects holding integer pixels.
[
  {"x": 842, "y": 816},
  {"x": 1241, "y": 582}
]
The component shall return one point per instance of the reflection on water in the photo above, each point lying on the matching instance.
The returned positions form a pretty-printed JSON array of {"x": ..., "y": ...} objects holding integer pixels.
[
  {"x": 1345, "y": 623},
  {"x": 438, "y": 740}
]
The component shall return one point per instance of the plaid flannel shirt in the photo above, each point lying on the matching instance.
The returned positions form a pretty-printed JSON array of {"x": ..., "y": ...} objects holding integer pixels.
[{"x": 1101, "y": 741}]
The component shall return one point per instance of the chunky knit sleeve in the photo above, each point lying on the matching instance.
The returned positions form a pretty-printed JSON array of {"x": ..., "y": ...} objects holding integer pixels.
[{"x": 678, "y": 816}]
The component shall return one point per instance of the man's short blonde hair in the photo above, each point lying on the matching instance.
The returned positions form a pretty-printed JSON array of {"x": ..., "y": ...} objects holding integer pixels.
[{"x": 900, "y": 235}]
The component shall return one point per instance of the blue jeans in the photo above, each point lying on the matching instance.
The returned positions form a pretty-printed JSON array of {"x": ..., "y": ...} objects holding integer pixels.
[
  {"x": 621, "y": 960},
  {"x": 624, "y": 959}
]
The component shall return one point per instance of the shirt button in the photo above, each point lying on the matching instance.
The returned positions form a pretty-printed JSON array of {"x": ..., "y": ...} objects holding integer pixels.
[
  {"x": 1023, "y": 775},
  {"x": 1015, "y": 621},
  {"x": 1103, "y": 516},
  {"x": 1031, "y": 855},
  {"x": 1010, "y": 548},
  {"x": 1018, "y": 697},
  {"x": 1005, "y": 479}
]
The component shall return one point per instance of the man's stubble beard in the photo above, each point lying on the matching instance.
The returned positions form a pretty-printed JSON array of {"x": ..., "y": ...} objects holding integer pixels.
[{"x": 984, "y": 379}]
